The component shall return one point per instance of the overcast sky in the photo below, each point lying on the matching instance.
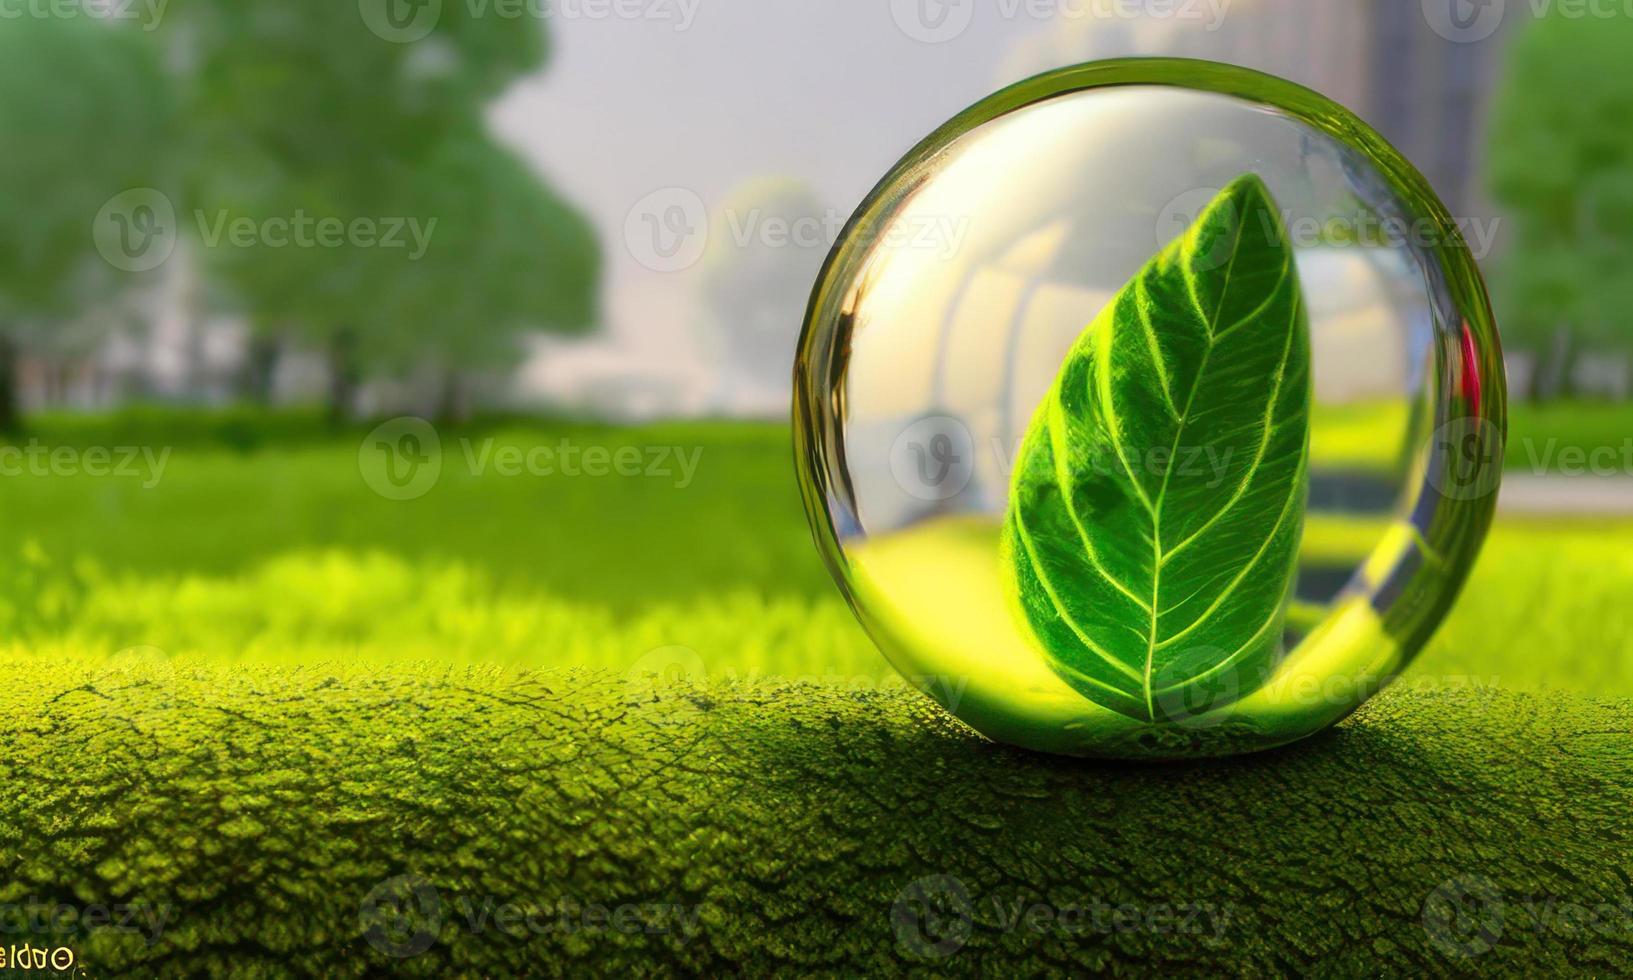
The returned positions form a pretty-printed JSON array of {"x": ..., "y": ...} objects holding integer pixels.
[
  {"x": 690, "y": 100},
  {"x": 828, "y": 91}
]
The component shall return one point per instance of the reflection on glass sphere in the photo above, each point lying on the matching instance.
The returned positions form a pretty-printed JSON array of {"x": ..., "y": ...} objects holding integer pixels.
[{"x": 946, "y": 312}]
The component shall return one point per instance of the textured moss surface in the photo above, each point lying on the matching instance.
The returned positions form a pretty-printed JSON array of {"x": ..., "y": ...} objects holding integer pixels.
[{"x": 554, "y": 823}]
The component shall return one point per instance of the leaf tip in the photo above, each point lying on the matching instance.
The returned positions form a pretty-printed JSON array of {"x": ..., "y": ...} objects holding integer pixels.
[
  {"x": 1244, "y": 207},
  {"x": 1248, "y": 188}
]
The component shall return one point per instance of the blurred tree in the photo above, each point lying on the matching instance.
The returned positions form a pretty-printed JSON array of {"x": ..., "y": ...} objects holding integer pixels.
[
  {"x": 1561, "y": 164},
  {"x": 85, "y": 110},
  {"x": 505, "y": 255},
  {"x": 766, "y": 247},
  {"x": 310, "y": 112}
]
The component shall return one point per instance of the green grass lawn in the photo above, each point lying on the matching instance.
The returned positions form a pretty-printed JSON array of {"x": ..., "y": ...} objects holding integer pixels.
[
  {"x": 1543, "y": 438},
  {"x": 1594, "y": 437},
  {"x": 283, "y": 553},
  {"x": 255, "y": 689}
]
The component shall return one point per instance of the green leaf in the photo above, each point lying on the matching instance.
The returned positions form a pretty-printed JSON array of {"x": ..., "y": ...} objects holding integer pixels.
[{"x": 1158, "y": 498}]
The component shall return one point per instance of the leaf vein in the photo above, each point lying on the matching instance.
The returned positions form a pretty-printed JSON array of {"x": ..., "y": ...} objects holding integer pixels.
[
  {"x": 1142, "y": 308},
  {"x": 1226, "y": 662},
  {"x": 1229, "y": 590},
  {"x": 1264, "y": 443},
  {"x": 1189, "y": 274},
  {"x": 1114, "y": 425},
  {"x": 1054, "y": 598},
  {"x": 1253, "y": 314},
  {"x": 1057, "y": 422}
]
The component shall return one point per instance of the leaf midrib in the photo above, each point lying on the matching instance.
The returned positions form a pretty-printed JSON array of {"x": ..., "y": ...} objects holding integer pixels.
[
  {"x": 1179, "y": 431},
  {"x": 1247, "y": 479}
]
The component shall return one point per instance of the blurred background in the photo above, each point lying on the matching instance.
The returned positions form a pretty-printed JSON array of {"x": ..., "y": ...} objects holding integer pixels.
[
  {"x": 619, "y": 209},
  {"x": 569, "y": 233}
]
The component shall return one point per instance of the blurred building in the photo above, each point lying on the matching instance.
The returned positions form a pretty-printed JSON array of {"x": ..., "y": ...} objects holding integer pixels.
[
  {"x": 1430, "y": 97},
  {"x": 1426, "y": 94}
]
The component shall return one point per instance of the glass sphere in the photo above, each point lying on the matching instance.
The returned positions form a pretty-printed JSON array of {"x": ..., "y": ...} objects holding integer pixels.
[{"x": 965, "y": 285}]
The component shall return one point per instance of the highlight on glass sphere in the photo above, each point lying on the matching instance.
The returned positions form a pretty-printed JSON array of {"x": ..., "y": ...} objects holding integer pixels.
[{"x": 1150, "y": 408}]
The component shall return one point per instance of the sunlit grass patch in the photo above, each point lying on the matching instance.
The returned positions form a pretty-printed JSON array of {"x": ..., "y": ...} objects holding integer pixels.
[{"x": 284, "y": 556}]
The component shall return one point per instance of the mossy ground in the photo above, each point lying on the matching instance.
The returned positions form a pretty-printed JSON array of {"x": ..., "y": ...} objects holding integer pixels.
[
  {"x": 480, "y": 822},
  {"x": 255, "y": 691}
]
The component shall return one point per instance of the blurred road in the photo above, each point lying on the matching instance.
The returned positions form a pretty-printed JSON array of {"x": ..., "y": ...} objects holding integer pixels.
[{"x": 1566, "y": 495}]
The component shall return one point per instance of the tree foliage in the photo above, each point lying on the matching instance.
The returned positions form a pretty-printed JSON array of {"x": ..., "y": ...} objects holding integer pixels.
[
  {"x": 85, "y": 115},
  {"x": 303, "y": 110},
  {"x": 765, "y": 250},
  {"x": 505, "y": 255},
  {"x": 1561, "y": 165}
]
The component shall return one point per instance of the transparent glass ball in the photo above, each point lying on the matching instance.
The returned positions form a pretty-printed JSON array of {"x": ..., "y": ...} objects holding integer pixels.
[{"x": 956, "y": 294}]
